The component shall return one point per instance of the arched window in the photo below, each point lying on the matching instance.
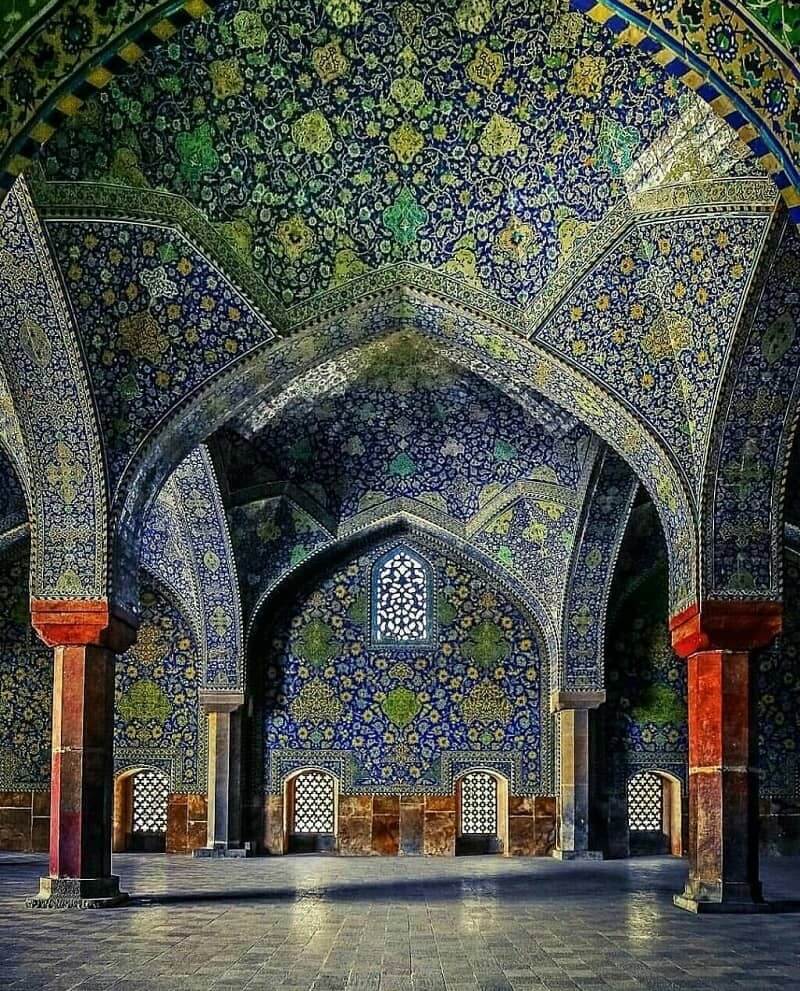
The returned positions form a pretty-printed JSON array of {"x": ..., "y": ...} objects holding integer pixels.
[
  {"x": 482, "y": 803},
  {"x": 140, "y": 810},
  {"x": 655, "y": 817},
  {"x": 402, "y": 610},
  {"x": 644, "y": 803},
  {"x": 478, "y": 803},
  {"x": 310, "y": 799}
]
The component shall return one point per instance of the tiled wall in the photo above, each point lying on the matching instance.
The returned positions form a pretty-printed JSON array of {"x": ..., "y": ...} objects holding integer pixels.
[
  {"x": 24, "y": 821},
  {"x": 409, "y": 825}
]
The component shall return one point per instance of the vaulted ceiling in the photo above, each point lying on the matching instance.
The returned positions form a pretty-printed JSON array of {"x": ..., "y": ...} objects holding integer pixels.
[{"x": 327, "y": 140}]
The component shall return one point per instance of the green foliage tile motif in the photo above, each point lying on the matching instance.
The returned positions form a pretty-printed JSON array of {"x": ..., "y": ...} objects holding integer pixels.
[
  {"x": 398, "y": 712},
  {"x": 401, "y": 706}
]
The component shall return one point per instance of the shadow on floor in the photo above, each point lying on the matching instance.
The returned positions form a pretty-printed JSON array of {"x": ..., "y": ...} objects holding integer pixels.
[{"x": 560, "y": 884}]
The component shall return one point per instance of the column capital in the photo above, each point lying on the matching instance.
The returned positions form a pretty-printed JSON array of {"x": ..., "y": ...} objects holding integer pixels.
[
  {"x": 723, "y": 624},
  {"x": 212, "y": 701},
  {"x": 561, "y": 699},
  {"x": 82, "y": 623}
]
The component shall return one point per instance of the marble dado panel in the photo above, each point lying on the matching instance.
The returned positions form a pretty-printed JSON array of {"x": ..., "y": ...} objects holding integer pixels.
[
  {"x": 418, "y": 825},
  {"x": 187, "y": 823},
  {"x": 24, "y": 821}
]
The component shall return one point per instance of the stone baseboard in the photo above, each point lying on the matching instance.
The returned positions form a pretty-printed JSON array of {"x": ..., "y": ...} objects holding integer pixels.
[
  {"x": 577, "y": 854},
  {"x": 220, "y": 852}
]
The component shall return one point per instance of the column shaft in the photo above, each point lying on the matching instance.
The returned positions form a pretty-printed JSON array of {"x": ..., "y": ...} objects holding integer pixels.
[
  {"x": 572, "y": 725},
  {"x": 223, "y": 772},
  {"x": 219, "y": 755},
  {"x": 723, "y": 785},
  {"x": 85, "y": 637},
  {"x": 82, "y": 781}
]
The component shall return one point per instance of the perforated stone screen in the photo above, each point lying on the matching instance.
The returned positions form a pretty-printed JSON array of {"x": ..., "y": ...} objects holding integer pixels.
[
  {"x": 401, "y": 600},
  {"x": 150, "y": 791},
  {"x": 478, "y": 803},
  {"x": 644, "y": 802},
  {"x": 314, "y": 803}
]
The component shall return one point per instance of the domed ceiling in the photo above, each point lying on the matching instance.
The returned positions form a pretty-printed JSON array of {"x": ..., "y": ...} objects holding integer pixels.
[{"x": 329, "y": 139}]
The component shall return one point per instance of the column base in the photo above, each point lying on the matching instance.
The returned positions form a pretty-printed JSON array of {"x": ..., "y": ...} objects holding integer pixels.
[
  {"x": 78, "y": 892},
  {"x": 220, "y": 850},
  {"x": 733, "y": 899},
  {"x": 577, "y": 854}
]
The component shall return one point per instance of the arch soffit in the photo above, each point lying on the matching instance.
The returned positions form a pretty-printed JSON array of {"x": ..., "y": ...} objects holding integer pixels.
[
  {"x": 518, "y": 367},
  {"x": 753, "y": 85},
  {"x": 756, "y": 414},
  {"x": 60, "y": 455},
  {"x": 584, "y": 617},
  {"x": 194, "y": 493}
]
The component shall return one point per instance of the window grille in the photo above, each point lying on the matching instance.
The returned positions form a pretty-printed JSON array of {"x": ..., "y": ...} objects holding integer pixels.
[
  {"x": 314, "y": 803},
  {"x": 478, "y": 803},
  {"x": 645, "y": 802},
  {"x": 401, "y": 592},
  {"x": 150, "y": 791}
]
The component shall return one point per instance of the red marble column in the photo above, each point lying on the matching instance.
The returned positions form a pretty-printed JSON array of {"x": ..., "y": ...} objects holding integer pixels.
[
  {"x": 85, "y": 637},
  {"x": 717, "y": 641}
]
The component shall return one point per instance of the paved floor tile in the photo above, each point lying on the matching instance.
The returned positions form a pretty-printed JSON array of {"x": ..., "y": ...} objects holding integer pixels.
[{"x": 405, "y": 924}]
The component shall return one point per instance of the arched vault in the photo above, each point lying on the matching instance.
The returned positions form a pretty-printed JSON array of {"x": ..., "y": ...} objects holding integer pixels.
[
  {"x": 740, "y": 58},
  {"x": 518, "y": 367}
]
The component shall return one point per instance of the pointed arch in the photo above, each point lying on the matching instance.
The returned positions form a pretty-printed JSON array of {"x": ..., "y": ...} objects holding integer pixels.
[
  {"x": 56, "y": 440},
  {"x": 519, "y": 368},
  {"x": 367, "y": 547},
  {"x": 385, "y": 534}
]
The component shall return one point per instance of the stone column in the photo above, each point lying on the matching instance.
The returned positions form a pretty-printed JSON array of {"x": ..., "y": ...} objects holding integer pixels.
[
  {"x": 219, "y": 707},
  {"x": 85, "y": 637},
  {"x": 572, "y": 724},
  {"x": 717, "y": 640}
]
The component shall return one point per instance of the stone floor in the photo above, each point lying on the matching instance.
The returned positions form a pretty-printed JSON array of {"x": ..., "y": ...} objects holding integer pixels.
[{"x": 386, "y": 925}]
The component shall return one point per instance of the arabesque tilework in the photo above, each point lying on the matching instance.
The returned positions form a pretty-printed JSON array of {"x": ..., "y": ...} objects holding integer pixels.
[{"x": 400, "y": 719}]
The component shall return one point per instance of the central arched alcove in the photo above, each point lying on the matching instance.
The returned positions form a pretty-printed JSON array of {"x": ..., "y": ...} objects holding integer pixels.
[{"x": 398, "y": 725}]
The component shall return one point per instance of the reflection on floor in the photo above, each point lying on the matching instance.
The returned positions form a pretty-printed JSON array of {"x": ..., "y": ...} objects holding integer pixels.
[{"x": 469, "y": 924}]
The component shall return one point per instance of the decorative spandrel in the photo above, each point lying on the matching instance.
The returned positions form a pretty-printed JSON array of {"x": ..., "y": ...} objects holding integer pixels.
[{"x": 401, "y": 600}]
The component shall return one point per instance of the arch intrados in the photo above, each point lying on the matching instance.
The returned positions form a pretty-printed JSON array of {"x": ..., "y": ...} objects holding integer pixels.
[
  {"x": 132, "y": 771},
  {"x": 20, "y": 476},
  {"x": 174, "y": 598},
  {"x": 481, "y": 769},
  {"x": 182, "y": 429},
  {"x": 316, "y": 768}
]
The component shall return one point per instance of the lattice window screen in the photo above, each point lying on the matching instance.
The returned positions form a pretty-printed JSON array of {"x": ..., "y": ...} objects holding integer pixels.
[
  {"x": 478, "y": 803},
  {"x": 401, "y": 600},
  {"x": 644, "y": 802},
  {"x": 314, "y": 803},
  {"x": 150, "y": 791}
]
